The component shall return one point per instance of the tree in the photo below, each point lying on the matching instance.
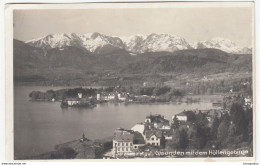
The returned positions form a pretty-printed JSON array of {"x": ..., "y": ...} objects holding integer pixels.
[
  {"x": 176, "y": 123},
  {"x": 249, "y": 118},
  {"x": 239, "y": 119},
  {"x": 223, "y": 128},
  {"x": 201, "y": 119},
  {"x": 192, "y": 135},
  {"x": 174, "y": 144},
  {"x": 214, "y": 128},
  {"x": 203, "y": 135},
  {"x": 35, "y": 95},
  {"x": 50, "y": 94},
  {"x": 161, "y": 91},
  {"x": 183, "y": 139},
  {"x": 191, "y": 116}
]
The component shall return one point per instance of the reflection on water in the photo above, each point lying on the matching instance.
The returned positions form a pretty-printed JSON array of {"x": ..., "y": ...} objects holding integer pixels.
[{"x": 39, "y": 126}]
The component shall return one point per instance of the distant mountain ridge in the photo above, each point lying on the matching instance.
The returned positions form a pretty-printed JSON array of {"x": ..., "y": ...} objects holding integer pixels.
[
  {"x": 222, "y": 44},
  {"x": 94, "y": 42},
  {"x": 75, "y": 65}
]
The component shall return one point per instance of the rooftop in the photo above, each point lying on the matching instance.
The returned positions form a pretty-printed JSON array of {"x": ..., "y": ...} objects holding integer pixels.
[
  {"x": 157, "y": 118},
  {"x": 72, "y": 99},
  {"x": 121, "y": 134},
  {"x": 183, "y": 113},
  {"x": 138, "y": 138},
  {"x": 150, "y": 133}
]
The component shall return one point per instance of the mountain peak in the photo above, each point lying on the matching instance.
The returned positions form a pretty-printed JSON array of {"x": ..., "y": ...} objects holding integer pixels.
[
  {"x": 219, "y": 43},
  {"x": 139, "y": 43},
  {"x": 154, "y": 43},
  {"x": 56, "y": 41}
]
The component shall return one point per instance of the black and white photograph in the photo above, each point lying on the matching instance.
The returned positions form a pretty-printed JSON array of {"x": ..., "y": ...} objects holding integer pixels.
[{"x": 170, "y": 81}]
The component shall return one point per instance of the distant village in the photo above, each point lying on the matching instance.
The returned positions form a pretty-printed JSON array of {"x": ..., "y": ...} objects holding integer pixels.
[
  {"x": 81, "y": 101},
  {"x": 103, "y": 97}
]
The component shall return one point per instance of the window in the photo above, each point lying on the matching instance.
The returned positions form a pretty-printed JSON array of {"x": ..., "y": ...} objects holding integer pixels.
[
  {"x": 118, "y": 149},
  {"x": 131, "y": 144},
  {"x": 115, "y": 144},
  {"x": 126, "y": 144},
  {"x": 123, "y": 149},
  {"x": 135, "y": 146},
  {"x": 126, "y": 149},
  {"x": 152, "y": 138},
  {"x": 153, "y": 144},
  {"x": 118, "y": 144},
  {"x": 123, "y": 144}
]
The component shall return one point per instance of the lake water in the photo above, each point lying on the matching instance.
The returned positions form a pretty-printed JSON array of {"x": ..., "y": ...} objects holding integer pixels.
[{"x": 39, "y": 126}]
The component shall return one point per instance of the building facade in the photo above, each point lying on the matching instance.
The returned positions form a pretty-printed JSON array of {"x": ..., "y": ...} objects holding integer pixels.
[
  {"x": 153, "y": 137},
  {"x": 123, "y": 141}
]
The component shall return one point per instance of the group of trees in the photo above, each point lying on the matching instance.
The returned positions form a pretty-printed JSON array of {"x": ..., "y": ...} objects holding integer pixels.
[
  {"x": 159, "y": 91},
  {"x": 195, "y": 136},
  {"x": 236, "y": 128},
  {"x": 220, "y": 86},
  {"x": 66, "y": 93},
  {"x": 232, "y": 130},
  {"x": 38, "y": 95},
  {"x": 229, "y": 100}
]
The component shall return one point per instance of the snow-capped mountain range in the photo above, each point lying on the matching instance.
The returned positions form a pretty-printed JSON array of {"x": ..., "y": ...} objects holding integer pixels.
[{"x": 135, "y": 43}]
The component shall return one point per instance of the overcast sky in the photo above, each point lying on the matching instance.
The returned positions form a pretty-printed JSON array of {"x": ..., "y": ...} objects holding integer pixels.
[{"x": 194, "y": 24}]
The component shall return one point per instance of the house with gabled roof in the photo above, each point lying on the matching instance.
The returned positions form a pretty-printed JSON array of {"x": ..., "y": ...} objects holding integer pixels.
[{"x": 153, "y": 137}]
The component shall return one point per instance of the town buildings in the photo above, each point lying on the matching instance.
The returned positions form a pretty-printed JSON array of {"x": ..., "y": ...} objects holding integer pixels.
[
  {"x": 150, "y": 133},
  {"x": 154, "y": 132},
  {"x": 157, "y": 122},
  {"x": 77, "y": 101},
  {"x": 74, "y": 101},
  {"x": 111, "y": 96}
]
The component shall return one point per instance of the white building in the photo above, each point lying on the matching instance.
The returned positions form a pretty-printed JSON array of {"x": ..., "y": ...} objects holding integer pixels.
[
  {"x": 120, "y": 97},
  {"x": 98, "y": 97},
  {"x": 153, "y": 137},
  {"x": 126, "y": 142},
  {"x": 165, "y": 127},
  {"x": 181, "y": 117},
  {"x": 123, "y": 141},
  {"x": 139, "y": 128},
  {"x": 111, "y": 96},
  {"x": 79, "y": 95},
  {"x": 72, "y": 101}
]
